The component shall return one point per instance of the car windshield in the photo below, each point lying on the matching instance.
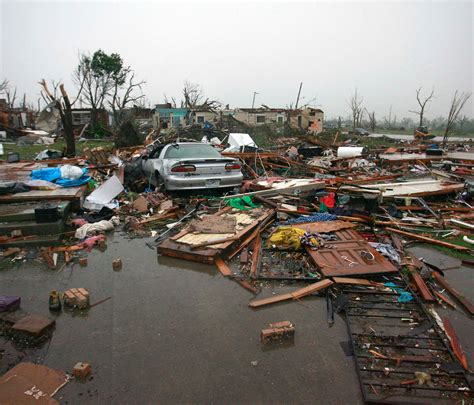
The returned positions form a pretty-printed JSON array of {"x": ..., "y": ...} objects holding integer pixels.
[{"x": 198, "y": 151}]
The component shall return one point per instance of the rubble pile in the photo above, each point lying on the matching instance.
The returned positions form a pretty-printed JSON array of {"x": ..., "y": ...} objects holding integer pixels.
[{"x": 332, "y": 219}]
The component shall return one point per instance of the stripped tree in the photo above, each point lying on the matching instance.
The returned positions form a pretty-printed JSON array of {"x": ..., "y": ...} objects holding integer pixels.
[
  {"x": 64, "y": 106},
  {"x": 126, "y": 91},
  {"x": 357, "y": 111},
  {"x": 457, "y": 105},
  {"x": 372, "y": 120},
  {"x": 422, "y": 103}
]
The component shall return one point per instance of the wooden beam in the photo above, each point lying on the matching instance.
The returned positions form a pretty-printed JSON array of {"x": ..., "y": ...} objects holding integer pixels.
[
  {"x": 428, "y": 240},
  {"x": 302, "y": 292},
  {"x": 356, "y": 281},
  {"x": 454, "y": 340},
  {"x": 256, "y": 255},
  {"x": 420, "y": 284},
  {"x": 223, "y": 268}
]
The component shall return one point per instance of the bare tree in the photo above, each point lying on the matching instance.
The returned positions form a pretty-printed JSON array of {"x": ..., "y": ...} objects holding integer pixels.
[
  {"x": 194, "y": 98},
  {"x": 372, "y": 120},
  {"x": 64, "y": 106},
  {"x": 457, "y": 105},
  {"x": 355, "y": 104},
  {"x": 3, "y": 86},
  {"x": 11, "y": 96},
  {"x": 422, "y": 103},
  {"x": 95, "y": 77},
  {"x": 124, "y": 94}
]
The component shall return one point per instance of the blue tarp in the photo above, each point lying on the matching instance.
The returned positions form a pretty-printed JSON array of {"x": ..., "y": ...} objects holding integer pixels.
[{"x": 53, "y": 174}]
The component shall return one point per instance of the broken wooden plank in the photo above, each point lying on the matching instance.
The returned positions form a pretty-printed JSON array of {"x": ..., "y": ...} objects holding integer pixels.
[
  {"x": 456, "y": 294},
  {"x": 302, "y": 292},
  {"x": 214, "y": 242},
  {"x": 420, "y": 284},
  {"x": 356, "y": 281},
  {"x": 428, "y": 240},
  {"x": 256, "y": 256},
  {"x": 223, "y": 268},
  {"x": 454, "y": 340},
  {"x": 445, "y": 299}
]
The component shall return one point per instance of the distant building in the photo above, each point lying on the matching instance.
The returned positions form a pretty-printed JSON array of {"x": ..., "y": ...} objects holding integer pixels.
[
  {"x": 170, "y": 117},
  {"x": 308, "y": 118},
  {"x": 261, "y": 116},
  {"x": 82, "y": 116}
]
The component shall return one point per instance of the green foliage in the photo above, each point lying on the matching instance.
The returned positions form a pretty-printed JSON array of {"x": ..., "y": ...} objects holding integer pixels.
[{"x": 103, "y": 65}]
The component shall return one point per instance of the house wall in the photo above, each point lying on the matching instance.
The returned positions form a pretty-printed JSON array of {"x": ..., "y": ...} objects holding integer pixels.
[
  {"x": 269, "y": 117},
  {"x": 205, "y": 116}
]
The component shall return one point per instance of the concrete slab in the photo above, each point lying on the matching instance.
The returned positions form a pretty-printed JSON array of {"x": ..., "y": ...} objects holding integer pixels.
[{"x": 33, "y": 324}]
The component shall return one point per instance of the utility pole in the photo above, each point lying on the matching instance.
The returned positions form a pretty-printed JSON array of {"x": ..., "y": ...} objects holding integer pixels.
[
  {"x": 253, "y": 100},
  {"x": 298, "y": 98}
]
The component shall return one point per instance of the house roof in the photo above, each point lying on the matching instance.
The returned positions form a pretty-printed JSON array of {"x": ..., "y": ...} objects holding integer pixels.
[{"x": 262, "y": 110}]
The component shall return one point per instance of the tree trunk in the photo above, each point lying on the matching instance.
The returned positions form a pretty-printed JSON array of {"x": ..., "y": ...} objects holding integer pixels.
[{"x": 66, "y": 118}]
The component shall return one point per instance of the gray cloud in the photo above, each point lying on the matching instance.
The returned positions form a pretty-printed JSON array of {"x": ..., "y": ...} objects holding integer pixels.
[{"x": 386, "y": 50}]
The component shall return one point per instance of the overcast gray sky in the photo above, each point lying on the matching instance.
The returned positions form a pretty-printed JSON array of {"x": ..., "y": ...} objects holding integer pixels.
[{"x": 386, "y": 50}]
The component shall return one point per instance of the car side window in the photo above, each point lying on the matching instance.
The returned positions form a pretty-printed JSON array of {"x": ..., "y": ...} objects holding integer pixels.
[{"x": 155, "y": 154}]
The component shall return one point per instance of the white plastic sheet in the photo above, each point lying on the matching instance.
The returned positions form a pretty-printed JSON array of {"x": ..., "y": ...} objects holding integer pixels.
[{"x": 237, "y": 140}]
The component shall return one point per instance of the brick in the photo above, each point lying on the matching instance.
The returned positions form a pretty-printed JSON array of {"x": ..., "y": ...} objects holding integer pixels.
[
  {"x": 277, "y": 331},
  {"x": 68, "y": 295},
  {"x": 282, "y": 324},
  {"x": 84, "y": 292},
  {"x": 81, "y": 301},
  {"x": 83, "y": 261},
  {"x": 117, "y": 264},
  {"x": 81, "y": 370}
]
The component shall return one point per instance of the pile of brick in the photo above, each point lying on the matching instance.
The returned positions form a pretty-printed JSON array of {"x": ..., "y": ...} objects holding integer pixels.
[
  {"x": 76, "y": 298},
  {"x": 277, "y": 331}
]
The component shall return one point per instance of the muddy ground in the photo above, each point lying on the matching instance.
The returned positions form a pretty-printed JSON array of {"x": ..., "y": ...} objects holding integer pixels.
[{"x": 176, "y": 332}]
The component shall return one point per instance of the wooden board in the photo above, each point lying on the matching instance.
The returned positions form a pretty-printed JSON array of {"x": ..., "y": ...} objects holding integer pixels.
[
  {"x": 330, "y": 259},
  {"x": 302, "y": 292},
  {"x": 68, "y": 193},
  {"x": 173, "y": 248}
]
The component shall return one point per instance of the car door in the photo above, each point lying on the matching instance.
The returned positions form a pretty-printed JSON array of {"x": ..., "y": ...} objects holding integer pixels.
[{"x": 154, "y": 161}]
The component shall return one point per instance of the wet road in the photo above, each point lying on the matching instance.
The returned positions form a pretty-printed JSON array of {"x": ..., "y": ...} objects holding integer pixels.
[{"x": 178, "y": 332}]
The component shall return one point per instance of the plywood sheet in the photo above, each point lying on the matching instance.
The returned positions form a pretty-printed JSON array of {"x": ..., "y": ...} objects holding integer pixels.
[{"x": 29, "y": 383}]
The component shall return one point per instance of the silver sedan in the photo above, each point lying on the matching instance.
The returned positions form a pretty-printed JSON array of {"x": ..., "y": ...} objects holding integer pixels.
[{"x": 188, "y": 166}]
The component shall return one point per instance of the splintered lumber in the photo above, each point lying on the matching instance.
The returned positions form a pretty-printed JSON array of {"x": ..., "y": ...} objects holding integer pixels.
[
  {"x": 454, "y": 340},
  {"x": 223, "y": 268},
  {"x": 428, "y": 240},
  {"x": 456, "y": 294},
  {"x": 445, "y": 299},
  {"x": 302, "y": 292},
  {"x": 420, "y": 285},
  {"x": 356, "y": 281},
  {"x": 214, "y": 242},
  {"x": 256, "y": 256}
]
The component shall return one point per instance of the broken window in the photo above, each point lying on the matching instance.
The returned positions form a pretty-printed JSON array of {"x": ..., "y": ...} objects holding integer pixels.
[
  {"x": 200, "y": 119},
  {"x": 81, "y": 118},
  {"x": 260, "y": 119}
]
